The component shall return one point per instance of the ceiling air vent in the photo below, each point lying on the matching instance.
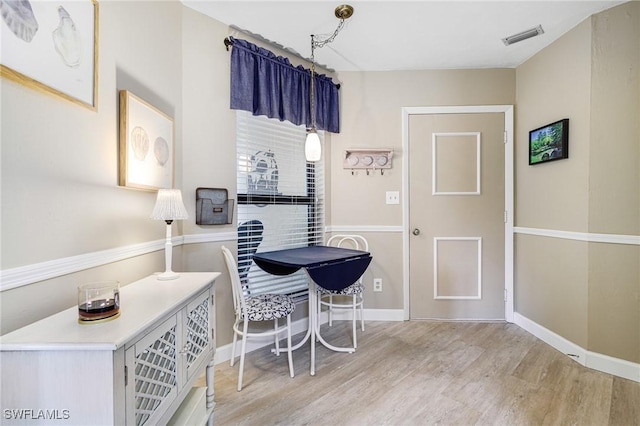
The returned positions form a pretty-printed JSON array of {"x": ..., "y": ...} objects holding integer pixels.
[{"x": 523, "y": 35}]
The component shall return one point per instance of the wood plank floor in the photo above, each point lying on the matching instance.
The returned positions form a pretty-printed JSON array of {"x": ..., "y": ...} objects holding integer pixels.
[{"x": 425, "y": 373}]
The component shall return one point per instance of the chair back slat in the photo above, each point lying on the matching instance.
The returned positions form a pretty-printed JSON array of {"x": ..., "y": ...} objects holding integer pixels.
[
  {"x": 357, "y": 242},
  {"x": 352, "y": 241},
  {"x": 249, "y": 238},
  {"x": 236, "y": 285}
]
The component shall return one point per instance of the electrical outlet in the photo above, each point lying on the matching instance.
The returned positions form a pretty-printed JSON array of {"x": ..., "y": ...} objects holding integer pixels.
[
  {"x": 377, "y": 284},
  {"x": 393, "y": 197}
]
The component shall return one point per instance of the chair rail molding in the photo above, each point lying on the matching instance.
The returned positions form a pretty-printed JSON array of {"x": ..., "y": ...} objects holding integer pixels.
[
  {"x": 580, "y": 236},
  {"x": 363, "y": 228},
  {"x": 29, "y": 274}
]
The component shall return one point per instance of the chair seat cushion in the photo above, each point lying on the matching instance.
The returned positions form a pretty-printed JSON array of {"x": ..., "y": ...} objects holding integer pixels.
[
  {"x": 356, "y": 288},
  {"x": 264, "y": 307}
]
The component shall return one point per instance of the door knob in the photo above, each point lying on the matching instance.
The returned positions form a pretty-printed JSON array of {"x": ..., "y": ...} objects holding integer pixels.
[{"x": 416, "y": 231}]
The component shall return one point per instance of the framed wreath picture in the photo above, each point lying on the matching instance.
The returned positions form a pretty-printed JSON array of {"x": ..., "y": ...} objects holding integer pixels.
[
  {"x": 52, "y": 47},
  {"x": 146, "y": 145}
]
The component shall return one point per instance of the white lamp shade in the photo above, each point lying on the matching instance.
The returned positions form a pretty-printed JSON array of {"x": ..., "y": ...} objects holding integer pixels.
[
  {"x": 312, "y": 147},
  {"x": 169, "y": 206}
]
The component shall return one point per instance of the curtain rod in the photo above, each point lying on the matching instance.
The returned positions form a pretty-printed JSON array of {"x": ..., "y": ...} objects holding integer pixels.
[
  {"x": 261, "y": 39},
  {"x": 228, "y": 43}
]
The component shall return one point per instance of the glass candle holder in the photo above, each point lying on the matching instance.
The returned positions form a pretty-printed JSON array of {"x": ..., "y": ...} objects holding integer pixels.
[{"x": 98, "y": 301}]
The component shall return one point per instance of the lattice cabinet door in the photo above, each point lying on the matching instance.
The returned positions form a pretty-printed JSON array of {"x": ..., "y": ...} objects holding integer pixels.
[
  {"x": 153, "y": 383},
  {"x": 198, "y": 339}
]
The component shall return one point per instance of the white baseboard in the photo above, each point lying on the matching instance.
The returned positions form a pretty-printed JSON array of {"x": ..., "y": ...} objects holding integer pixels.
[
  {"x": 223, "y": 353},
  {"x": 384, "y": 314},
  {"x": 604, "y": 363},
  {"x": 617, "y": 367},
  {"x": 565, "y": 346}
]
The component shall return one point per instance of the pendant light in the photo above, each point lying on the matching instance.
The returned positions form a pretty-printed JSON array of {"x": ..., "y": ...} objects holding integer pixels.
[{"x": 312, "y": 147}]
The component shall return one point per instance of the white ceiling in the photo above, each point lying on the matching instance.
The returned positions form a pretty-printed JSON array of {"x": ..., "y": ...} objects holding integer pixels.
[{"x": 407, "y": 35}]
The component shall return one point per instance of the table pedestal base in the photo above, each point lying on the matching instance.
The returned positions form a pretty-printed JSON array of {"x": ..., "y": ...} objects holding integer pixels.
[{"x": 313, "y": 332}]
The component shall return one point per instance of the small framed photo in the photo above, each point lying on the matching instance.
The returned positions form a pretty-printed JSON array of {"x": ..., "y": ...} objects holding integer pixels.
[
  {"x": 550, "y": 142},
  {"x": 146, "y": 145},
  {"x": 52, "y": 47}
]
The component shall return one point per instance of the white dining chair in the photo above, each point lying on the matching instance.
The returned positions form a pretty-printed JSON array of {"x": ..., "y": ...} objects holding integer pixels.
[
  {"x": 262, "y": 307},
  {"x": 351, "y": 297}
]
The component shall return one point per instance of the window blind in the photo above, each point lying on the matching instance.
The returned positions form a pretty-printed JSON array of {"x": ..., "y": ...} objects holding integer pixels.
[{"x": 280, "y": 189}]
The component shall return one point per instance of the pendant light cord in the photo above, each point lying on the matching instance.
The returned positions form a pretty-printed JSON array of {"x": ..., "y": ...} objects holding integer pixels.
[
  {"x": 315, "y": 43},
  {"x": 313, "y": 86},
  {"x": 342, "y": 12}
]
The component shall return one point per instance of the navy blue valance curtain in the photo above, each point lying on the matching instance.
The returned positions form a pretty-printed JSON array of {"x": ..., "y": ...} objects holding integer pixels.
[{"x": 265, "y": 84}]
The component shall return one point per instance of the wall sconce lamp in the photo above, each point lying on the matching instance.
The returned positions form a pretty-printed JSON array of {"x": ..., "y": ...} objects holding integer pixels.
[
  {"x": 312, "y": 147},
  {"x": 169, "y": 207}
]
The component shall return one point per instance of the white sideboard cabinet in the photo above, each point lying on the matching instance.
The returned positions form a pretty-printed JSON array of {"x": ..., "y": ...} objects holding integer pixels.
[{"x": 136, "y": 369}]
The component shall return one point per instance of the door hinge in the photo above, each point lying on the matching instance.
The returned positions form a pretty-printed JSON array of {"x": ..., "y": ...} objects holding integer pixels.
[
  {"x": 506, "y": 216},
  {"x": 505, "y": 137},
  {"x": 126, "y": 378}
]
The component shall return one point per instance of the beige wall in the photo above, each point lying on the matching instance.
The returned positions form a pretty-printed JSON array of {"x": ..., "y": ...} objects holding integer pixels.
[
  {"x": 550, "y": 274},
  {"x": 550, "y": 87},
  {"x": 614, "y": 182},
  {"x": 371, "y": 118},
  {"x": 60, "y": 162},
  {"x": 551, "y": 285},
  {"x": 589, "y": 293},
  {"x": 209, "y": 150},
  {"x": 614, "y": 197}
]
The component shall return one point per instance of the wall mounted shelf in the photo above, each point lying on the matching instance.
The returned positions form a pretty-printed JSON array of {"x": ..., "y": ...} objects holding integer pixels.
[{"x": 368, "y": 158}]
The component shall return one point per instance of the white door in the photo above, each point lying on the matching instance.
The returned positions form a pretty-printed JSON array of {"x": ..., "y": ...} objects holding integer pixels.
[{"x": 457, "y": 215}]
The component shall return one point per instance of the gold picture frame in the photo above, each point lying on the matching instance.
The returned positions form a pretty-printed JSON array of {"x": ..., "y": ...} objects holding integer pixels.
[
  {"x": 52, "y": 47},
  {"x": 146, "y": 145}
]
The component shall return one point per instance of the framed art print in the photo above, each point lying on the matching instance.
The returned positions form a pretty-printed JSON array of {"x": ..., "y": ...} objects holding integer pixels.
[
  {"x": 146, "y": 144},
  {"x": 52, "y": 47},
  {"x": 550, "y": 142}
]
